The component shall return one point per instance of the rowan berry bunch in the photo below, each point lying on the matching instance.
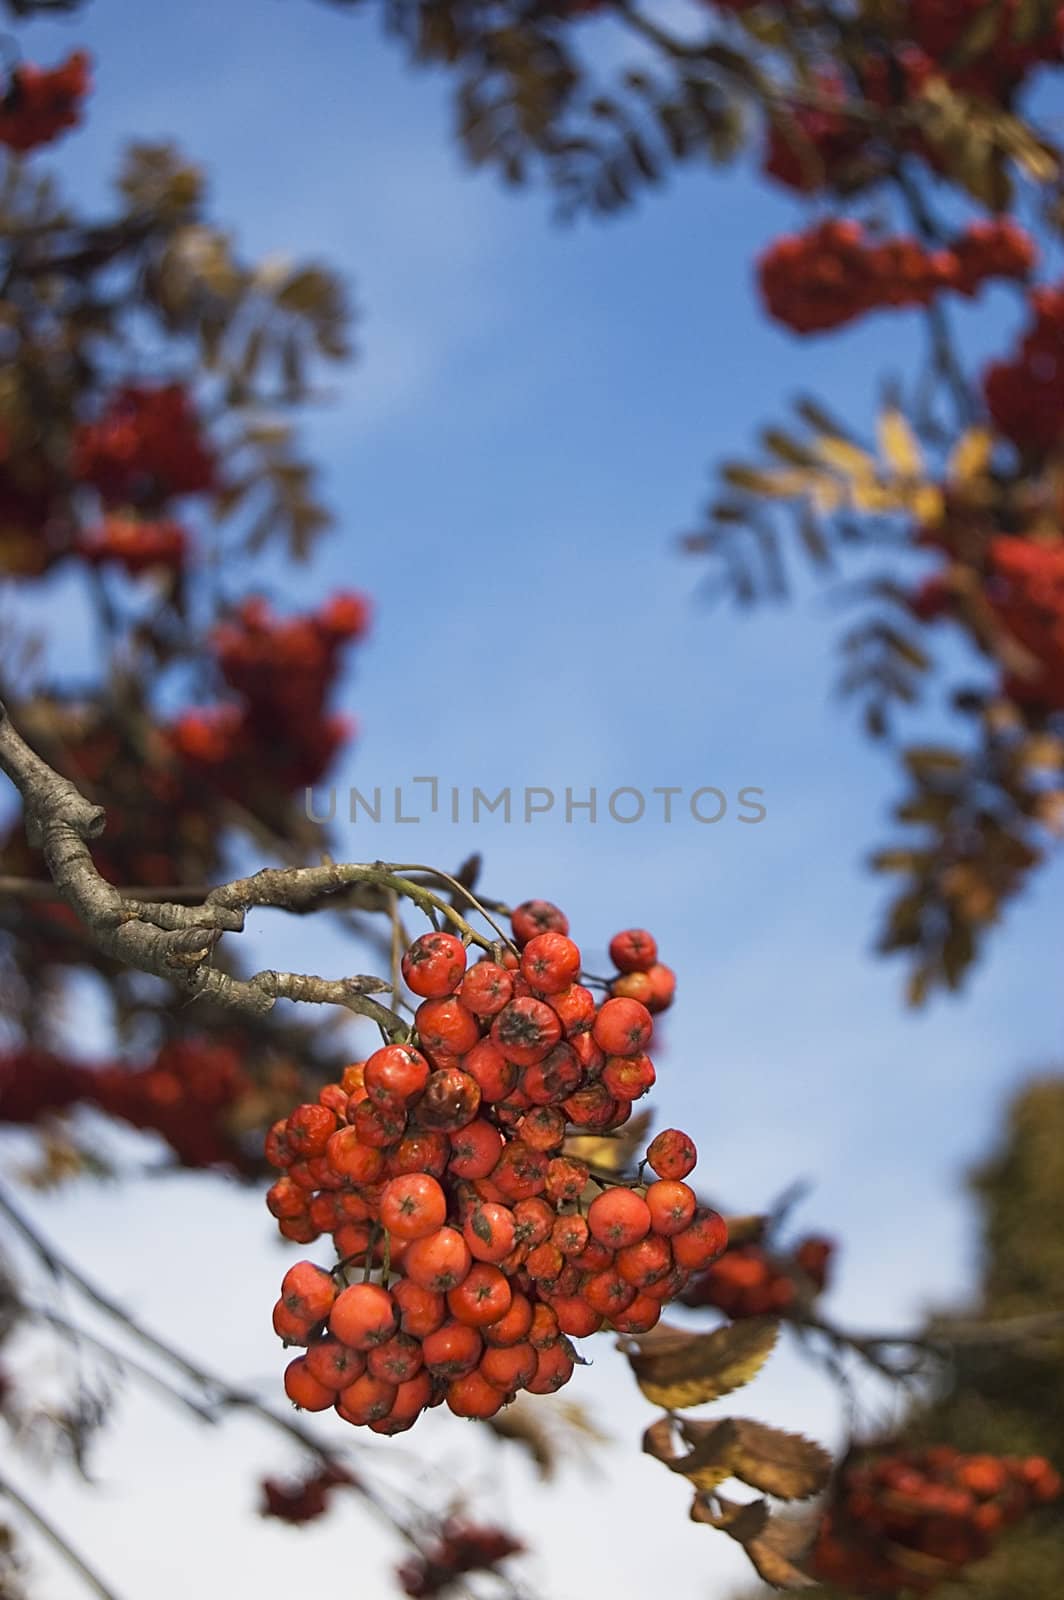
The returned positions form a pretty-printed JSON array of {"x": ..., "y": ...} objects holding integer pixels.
[
  {"x": 473, "y": 1245},
  {"x": 136, "y": 544},
  {"x": 749, "y": 1281},
  {"x": 836, "y": 272},
  {"x": 303, "y": 1500},
  {"x": 462, "y": 1547},
  {"x": 285, "y": 670},
  {"x": 912, "y": 1519},
  {"x": 40, "y": 103},
  {"x": 1025, "y": 395},
  {"x": 187, "y": 1093},
  {"x": 146, "y": 448}
]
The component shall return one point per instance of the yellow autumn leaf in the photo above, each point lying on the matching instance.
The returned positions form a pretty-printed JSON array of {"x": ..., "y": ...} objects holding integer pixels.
[
  {"x": 899, "y": 445},
  {"x": 971, "y": 456},
  {"x": 844, "y": 457}
]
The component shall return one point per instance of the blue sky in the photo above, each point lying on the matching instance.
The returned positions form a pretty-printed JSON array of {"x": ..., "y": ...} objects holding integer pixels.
[{"x": 528, "y": 425}]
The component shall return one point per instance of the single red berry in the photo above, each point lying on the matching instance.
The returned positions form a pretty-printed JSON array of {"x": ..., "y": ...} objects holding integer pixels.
[
  {"x": 396, "y": 1073},
  {"x": 623, "y": 1028},
  {"x": 550, "y": 962},
  {"x": 533, "y": 917},
  {"x": 672, "y": 1154},
  {"x": 434, "y": 965},
  {"x": 413, "y": 1206},
  {"x": 618, "y": 1218},
  {"x": 635, "y": 950},
  {"x": 486, "y": 989}
]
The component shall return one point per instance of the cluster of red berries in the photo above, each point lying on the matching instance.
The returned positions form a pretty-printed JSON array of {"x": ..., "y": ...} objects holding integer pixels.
[
  {"x": 284, "y": 669},
  {"x": 139, "y": 544},
  {"x": 934, "y": 1503},
  {"x": 749, "y": 1282},
  {"x": 461, "y": 1548},
  {"x": 184, "y": 1094},
  {"x": 1025, "y": 396},
  {"x": 146, "y": 448},
  {"x": 939, "y": 27},
  {"x": 439, "y": 1167},
  {"x": 302, "y": 1500},
  {"x": 1026, "y": 591},
  {"x": 41, "y": 102},
  {"x": 834, "y": 273}
]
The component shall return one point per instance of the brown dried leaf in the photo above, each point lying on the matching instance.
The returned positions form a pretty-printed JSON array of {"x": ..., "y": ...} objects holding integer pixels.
[{"x": 675, "y": 1369}]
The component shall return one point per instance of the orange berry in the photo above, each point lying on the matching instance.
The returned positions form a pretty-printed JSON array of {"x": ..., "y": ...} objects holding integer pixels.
[
  {"x": 363, "y": 1315},
  {"x": 440, "y": 1261},
  {"x": 618, "y": 1218},
  {"x": 303, "y": 1388},
  {"x": 413, "y": 1206}
]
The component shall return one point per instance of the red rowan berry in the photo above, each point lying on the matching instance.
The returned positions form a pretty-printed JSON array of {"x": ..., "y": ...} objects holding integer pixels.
[
  {"x": 643, "y": 1314},
  {"x": 633, "y": 986},
  {"x": 363, "y": 1315},
  {"x": 628, "y": 1077},
  {"x": 489, "y": 1232},
  {"x": 623, "y": 1028},
  {"x": 396, "y": 1361},
  {"x": 526, "y": 1030},
  {"x": 474, "y": 1396},
  {"x": 440, "y": 1261},
  {"x": 413, "y": 1206},
  {"x": 423, "y": 1151},
  {"x": 589, "y": 1107},
  {"x": 672, "y": 1154},
  {"x": 353, "y": 1077},
  {"x": 368, "y": 1399},
  {"x": 646, "y": 1262},
  {"x": 486, "y": 989},
  {"x": 607, "y": 1293},
  {"x": 290, "y": 1326},
  {"x": 411, "y": 1398},
  {"x": 452, "y": 1350},
  {"x": 434, "y": 965},
  {"x": 593, "y": 1257},
  {"x": 700, "y": 1243},
  {"x": 377, "y": 1125},
  {"x": 451, "y": 1100},
  {"x": 475, "y": 1150},
  {"x": 548, "y": 1082},
  {"x": 482, "y": 1297},
  {"x": 508, "y": 1367},
  {"x": 421, "y": 1311},
  {"x": 308, "y": 1291},
  {"x": 533, "y": 917},
  {"x": 575, "y": 1007},
  {"x": 545, "y": 1262},
  {"x": 570, "y": 1235},
  {"x": 396, "y": 1074},
  {"x": 550, "y": 962},
  {"x": 635, "y": 950},
  {"x": 285, "y": 1200},
  {"x": 334, "y": 1365},
  {"x": 353, "y": 1160},
  {"x": 672, "y": 1205},
  {"x": 618, "y": 1218},
  {"x": 542, "y": 1128},
  {"x": 303, "y": 1389},
  {"x": 575, "y": 1317},
  {"x": 544, "y": 1329},
  {"x": 301, "y": 1230},
  {"x": 534, "y": 1219},
  {"x": 520, "y": 1173},
  {"x": 335, "y": 1099},
  {"x": 495, "y": 1075},
  {"x": 514, "y": 1325},
  {"x": 662, "y": 988},
  {"x": 308, "y": 1130},
  {"x": 554, "y": 1368},
  {"x": 277, "y": 1149},
  {"x": 446, "y": 1027},
  {"x": 566, "y": 1179}
]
